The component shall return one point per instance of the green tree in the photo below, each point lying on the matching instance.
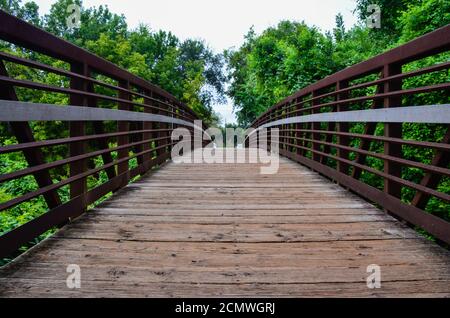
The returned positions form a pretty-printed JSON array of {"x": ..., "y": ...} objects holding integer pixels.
[
  {"x": 391, "y": 10},
  {"x": 423, "y": 18},
  {"x": 28, "y": 11},
  {"x": 274, "y": 64},
  {"x": 339, "y": 30}
]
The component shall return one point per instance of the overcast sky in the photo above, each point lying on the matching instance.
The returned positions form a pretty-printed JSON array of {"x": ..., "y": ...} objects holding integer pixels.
[{"x": 222, "y": 23}]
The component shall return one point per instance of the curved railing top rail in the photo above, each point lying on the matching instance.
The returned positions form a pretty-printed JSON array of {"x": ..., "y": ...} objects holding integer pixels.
[
  {"x": 38, "y": 40},
  {"x": 426, "y": 45}
]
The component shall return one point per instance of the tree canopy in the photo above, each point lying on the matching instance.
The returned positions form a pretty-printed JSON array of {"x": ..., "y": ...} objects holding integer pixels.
[
  {"x": 188, "y": 69},
  {"x": 292, "y": 55}
]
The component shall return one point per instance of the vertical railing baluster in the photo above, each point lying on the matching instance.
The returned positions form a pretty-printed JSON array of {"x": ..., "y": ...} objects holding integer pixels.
[
  {"x": 162, "y": 126},
  {"x": 123, "y": 126},
  {"x": 342, "y": 127},
  {"x": 172, "y": 115},
  {"x": 76, "y": 129},
  {"x": 137, "y": 125},
  {"x": 392, "y": 130},
  {"x": 280, "y": 116},
  {"x": 298, "y": 126},
  {"x": 147, "y": 125},
  {"x": 155, "y": 126},
  {"x": 315, "y": 126},
  {"x": 269, "y": 132},
  {"x": 306, "y": 126},
  {"x": 291, "y": 128}
]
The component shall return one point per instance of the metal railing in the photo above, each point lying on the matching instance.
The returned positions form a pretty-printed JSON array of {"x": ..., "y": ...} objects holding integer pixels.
[
  {"x": 113, "y": 115},
  {"x": 350, "y": 127}
]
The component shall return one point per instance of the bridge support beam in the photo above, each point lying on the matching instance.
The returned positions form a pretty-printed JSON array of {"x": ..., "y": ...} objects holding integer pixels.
[{"x": 431, "y": 180}]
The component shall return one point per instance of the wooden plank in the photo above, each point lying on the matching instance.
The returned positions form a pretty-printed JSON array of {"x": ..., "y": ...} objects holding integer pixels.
[{"x": 169, "y": 232}]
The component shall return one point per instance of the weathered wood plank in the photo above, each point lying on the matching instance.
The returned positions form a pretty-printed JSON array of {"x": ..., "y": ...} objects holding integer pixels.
[{"x": 226, "y": 230}]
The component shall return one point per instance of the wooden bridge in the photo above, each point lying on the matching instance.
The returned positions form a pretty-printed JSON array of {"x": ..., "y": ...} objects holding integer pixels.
[{"x": 313, "y": 228}]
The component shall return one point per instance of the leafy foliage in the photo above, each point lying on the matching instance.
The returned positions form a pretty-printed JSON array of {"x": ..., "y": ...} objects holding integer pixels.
[
  {"x": 269, "y": 67},
  {"x": 292, "y": 55}
]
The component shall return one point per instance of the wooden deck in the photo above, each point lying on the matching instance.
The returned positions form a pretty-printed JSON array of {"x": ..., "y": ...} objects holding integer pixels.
[{"x": 226, "y": 230}]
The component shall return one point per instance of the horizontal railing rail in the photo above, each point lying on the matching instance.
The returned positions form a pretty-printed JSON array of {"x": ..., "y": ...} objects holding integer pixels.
[
  {"x": 354, "y": 128},
  {"x": 111, "y": 127}
]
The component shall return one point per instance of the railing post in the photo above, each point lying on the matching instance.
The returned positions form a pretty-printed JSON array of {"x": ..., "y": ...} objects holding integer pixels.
[
  {"x": 257, "y": 134},
  {"x": 155, "y": 126},
  {"x": 279, "y": 115},
  {"x": 269, "y": 132},
  {"x": 285, "y": 108},
  {"x": 298, "y": 127},
  {"x": 161, "y": 134},
  {"x": 392, "y": 130},
  {"x": 123, "y": 126},
  {"x": 171, "y": 127},
  {"x": 292, "y": 127},
  {"x": 283, "y": 127},
  {"x": 78, "y": 128},
  {"x": 342, "y": 128},
  {"x": 146, "y": 125},
  {"x": 315, "y": 126},
  {"x": 166, "y": 126}
]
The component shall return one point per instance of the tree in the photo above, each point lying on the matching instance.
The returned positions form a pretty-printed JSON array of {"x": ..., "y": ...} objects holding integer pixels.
[
  {"x": 274, "y": 64},
  {"x": 391, "y": 10},
  {"x": 28, "y": 12},
  {"x": 93, "y": 23},
  {"x": 55, "y": 21},
  {"x": 423, "y": 18},
  {"x": 339, "y": 30},
  {"x": 189, "y": 70}
]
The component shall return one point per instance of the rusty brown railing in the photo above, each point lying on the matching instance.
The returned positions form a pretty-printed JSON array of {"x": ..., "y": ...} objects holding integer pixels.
[
  {"x": 348, "y": 123},
  {"x": 112, "y": 113}
]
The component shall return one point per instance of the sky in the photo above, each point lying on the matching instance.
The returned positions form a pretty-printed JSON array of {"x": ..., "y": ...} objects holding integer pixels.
[{"x": 223, "y": 23}]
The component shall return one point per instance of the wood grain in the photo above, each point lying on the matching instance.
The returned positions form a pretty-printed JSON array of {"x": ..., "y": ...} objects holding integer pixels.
[{"x": 212, "y": 230}]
